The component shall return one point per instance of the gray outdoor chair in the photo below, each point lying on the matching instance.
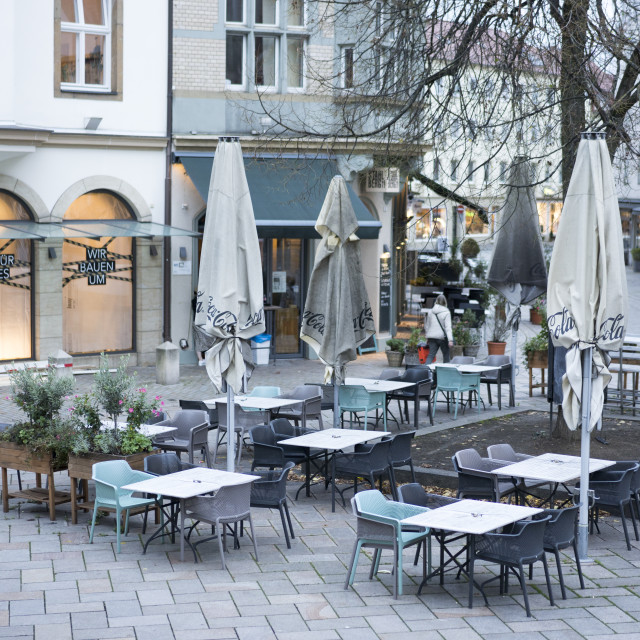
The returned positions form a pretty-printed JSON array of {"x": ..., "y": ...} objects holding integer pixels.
[
  {"x": 310, "y": 407},
  {"x": 498, "y": 377},
  {"x": 244, "y": 420},
  {"x": 475, "y": 479},
  {"x": 230, "y": 505},
  {"x": 462, "y": 360},
  {"x": 192, "y": 434}
]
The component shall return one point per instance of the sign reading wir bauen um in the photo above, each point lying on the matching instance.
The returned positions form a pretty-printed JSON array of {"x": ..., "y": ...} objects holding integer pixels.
[
  {"x": 7, "y": 260},
  {"x": 96, "y": 266}
]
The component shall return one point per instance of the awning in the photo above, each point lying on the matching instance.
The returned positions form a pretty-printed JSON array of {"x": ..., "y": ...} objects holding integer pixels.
[
  {"x": 29, "y": 230},
  {"x": 287, "y": 194}
]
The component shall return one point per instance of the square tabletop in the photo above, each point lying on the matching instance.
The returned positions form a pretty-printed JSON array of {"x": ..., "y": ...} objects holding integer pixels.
[
  {"x": 471, "y": 516},
  {"x": 190, "y": 483},
  {"x": 552, "y": 467},
  {"x": 373, "y": 384},
  {"x": 255, "y": 402},
  {"x": 333, "y": 439},
  {"x": 464, "y": 368},
  {"x": 148, "y": 430}
]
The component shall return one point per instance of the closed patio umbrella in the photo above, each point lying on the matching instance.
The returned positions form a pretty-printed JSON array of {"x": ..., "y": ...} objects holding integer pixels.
[
  {"x": 337, "y": 315},
  {"x": 517, "y": 268},
  {"x": 587, "y": 296},
  {"x": 229, "y": 309}
]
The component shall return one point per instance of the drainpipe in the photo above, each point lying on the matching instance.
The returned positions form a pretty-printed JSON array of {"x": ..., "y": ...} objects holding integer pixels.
[{"x": 166, "y": 305}]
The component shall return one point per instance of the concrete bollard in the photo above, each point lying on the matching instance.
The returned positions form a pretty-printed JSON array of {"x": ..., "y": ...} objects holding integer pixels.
[
  {"x": 63, "y": 363},
  {"x": 167, "y": 364}
]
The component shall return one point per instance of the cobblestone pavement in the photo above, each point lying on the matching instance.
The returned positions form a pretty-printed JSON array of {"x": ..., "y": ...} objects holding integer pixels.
[{"x": 57, "y": 586}]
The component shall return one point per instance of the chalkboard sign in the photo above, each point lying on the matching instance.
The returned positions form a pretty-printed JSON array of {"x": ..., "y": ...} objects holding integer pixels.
[
  {"x": 370, "y": 344},
  {"x": 385, "y": 295},
  {"x": 557, "y": 369}
]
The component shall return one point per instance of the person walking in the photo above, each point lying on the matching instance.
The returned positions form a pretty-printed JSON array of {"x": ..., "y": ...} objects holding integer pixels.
[{"x": 437, "y": 328}]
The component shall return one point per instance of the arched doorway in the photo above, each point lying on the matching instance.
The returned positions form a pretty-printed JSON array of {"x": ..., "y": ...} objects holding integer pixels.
[
  {"x": 16, "y": 326},
  {"x": 98, "y": 280}
]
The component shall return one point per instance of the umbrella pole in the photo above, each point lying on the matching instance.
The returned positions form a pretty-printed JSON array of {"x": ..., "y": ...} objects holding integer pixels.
[
  {"x": 514, "y": 351},
  {"x": 336, "y": 408},
  {"x": 231, "y": 430},
  {"x": 583, "y": 523}
]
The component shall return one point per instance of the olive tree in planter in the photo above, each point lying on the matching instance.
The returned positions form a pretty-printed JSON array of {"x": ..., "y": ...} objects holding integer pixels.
[
  {"x": 411, "y": 356},
  {"x": 113, "y": 394},
  {"x": 498, "y": 329},
  {"x": 40, "y": 443}
]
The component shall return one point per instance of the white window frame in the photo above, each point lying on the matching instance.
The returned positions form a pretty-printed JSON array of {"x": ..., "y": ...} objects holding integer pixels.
[
  {"x": 244, "y": 15},
  {"x": 228, "y": 85},
  {"x": 296, "y": 27},
  {"x": 258, "y": 33},
  {"x": 296, "y": 36},
  {"x": 265, "y": 25},
  {"x": 80, "y": 29}
]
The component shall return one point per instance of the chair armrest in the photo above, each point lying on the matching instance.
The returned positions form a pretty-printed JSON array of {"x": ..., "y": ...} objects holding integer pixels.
[{"x": 138, "y": 476}]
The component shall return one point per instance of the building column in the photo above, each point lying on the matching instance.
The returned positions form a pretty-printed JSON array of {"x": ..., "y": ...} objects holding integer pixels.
[
  {"x": 148, "y": 325},
  {"x": 47, "y": 299}
]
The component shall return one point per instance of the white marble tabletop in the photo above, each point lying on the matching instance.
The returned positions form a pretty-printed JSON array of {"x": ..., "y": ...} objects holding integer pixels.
[
  {"x": 148, "y": 430},
  {"x": 255, "y": 402},
  {"x": 190, "y": 483},
  {"x": 471, "y": 516},
  {"x": 373, "y": 384},
  {"x": 552, "y": 467},
  {"x": 464, "y": 368},
  {"x": 333, "y": 439}
]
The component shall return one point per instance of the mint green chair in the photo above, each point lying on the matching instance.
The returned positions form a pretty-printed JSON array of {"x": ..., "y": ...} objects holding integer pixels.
[
  {"x": 109, "y": 477},
  {"x": 450, "y": 380},
  {"x": 379, "y": 527},
  {"x": 355, "y": 398},
  {"x": 262, "y": 392}
]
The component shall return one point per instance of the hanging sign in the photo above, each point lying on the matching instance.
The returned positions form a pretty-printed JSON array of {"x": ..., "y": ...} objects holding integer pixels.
[
  {"x": 7, "y": 260},
  {"x": 96, "y": 266},
  {"x": 385, "y": 295}
]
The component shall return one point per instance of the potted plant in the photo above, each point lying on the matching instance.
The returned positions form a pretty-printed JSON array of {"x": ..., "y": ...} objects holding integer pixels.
[
  {"x": 395, "y": 352},
  {"x": 635, "y": 256},
  {"x": 498, "y": 329},
  {"x": 461, "y": 338},
  {"x": 536, "y": 350},
  {"x": 411, "y": 356},
  {"x": 98, "y": 438},
  {"x": 538, "y": 310},
  {"x": 40, "y": 443}
]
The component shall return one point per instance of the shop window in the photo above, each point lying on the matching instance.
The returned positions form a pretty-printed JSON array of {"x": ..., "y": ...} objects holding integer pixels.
[
  {"x": 15, "y": 286},
  {"x": 430, "y": 223},
  {"x": 84, "y": 53},
  {"x": 97, "y": 281},
  {"x": 474, "y": 223}
]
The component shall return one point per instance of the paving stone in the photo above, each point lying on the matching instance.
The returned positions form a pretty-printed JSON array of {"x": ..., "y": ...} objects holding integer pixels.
[{"x": 60, "y": 631}]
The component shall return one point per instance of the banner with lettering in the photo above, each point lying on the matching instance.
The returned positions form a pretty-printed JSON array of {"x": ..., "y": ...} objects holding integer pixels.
[
  {"x": 337, "y": 315},
  {"x": 587, "y": 288}
]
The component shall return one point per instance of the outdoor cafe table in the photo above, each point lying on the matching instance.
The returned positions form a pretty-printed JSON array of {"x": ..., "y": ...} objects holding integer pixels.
[
  {"x": 373, "y": 384},
  {"x": 472, "y": 518},
  {"x": 255, "y": 402},
  {"x": 555, "y": 468},
  {"x": 187, "y": 484},
  {"x": 332, "y": 441},
  {"x": 463, "y": 368}
]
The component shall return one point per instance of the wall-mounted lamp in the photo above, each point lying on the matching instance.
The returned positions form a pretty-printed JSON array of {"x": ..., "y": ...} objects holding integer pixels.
[
  {"x": 91, "y": 124},
  {"x": 183, "y": 253},
  {"x": 52, "y": 253},
  {"x": 153, "y": 250}
]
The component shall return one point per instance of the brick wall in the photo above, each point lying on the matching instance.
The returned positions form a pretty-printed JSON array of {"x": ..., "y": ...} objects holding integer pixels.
[
  {"x": 199, "y": 64},
  {"x": 195, "y": 15},
  {"x": 320, "y": 67}
]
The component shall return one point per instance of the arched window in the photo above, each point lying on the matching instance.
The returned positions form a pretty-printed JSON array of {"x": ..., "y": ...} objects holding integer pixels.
[
  {"x": 15, "y": 286},
  {"x": 97, "y": 280}
]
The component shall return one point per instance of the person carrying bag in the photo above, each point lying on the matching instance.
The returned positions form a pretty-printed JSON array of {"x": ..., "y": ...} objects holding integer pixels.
[{"x": 437, "y": 328}]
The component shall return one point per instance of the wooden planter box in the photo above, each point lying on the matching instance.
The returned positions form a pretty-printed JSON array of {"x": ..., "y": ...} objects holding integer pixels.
[
  {"x": 537, "y": 360},
  {"x": 18, "y": 456},
  {"x": 81, "y": 468}
]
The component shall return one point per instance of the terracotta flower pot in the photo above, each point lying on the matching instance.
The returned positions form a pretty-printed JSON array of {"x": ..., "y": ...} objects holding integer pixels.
[
  {"x": 535, "y": 317},
  {"x": 496, "y": 348}
]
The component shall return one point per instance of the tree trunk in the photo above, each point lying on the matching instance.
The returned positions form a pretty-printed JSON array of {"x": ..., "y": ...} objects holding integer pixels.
[
  {"x": 572, "y": 83},
  {"x": 561, "y": 430}
]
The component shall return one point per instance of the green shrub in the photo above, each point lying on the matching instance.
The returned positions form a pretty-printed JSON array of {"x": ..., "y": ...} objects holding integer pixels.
[
  {"x": 469, "y": 248},
  {"x": 635, "y": 254},
  {"x": 395, "y": 344}
]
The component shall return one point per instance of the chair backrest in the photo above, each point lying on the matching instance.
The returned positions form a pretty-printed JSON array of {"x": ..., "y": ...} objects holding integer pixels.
[
  {"x": 467, "y": 459},
  {"x": 200, "y": 435},
  {"x": 185, "y": 420},
  {"x": 160, "y": 416},
  {"x": 202, "y": 406},
  {"x": 462, "y": 360},
  {"x": 357, "y": 397},
  {"x": 561, "y": 528},
  {"x": 282, "y": 428},
  {"x": 378, "y": 455},
  {"x": 304, "y": 392},
  {"x": 371, "y": 501},
  {"x": 496, "y": 361},
  {"x": 400, "y": 447},
  {"x": 242, "y": 418},
  {"x": 262, "y": 434},
  {"x": 448, "y": 378},
  {"x": 272, "y": 484},
  {"x": 417, "y": 374},
  {"x": 112, "y": 472},
  {"x": 388, "y": 373},
  {"x": 527, "y": 540},
  {"x": 162, "y": 464},
  {"x": 414, "y": 493},
  {"x": 265, "y": 392},
  {"x": 502, "y": 452}
]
